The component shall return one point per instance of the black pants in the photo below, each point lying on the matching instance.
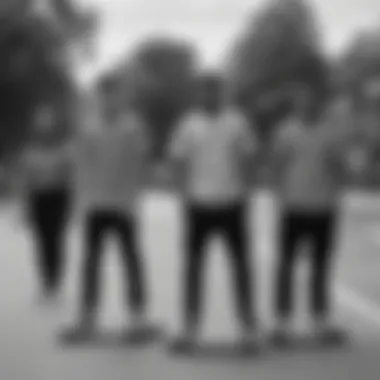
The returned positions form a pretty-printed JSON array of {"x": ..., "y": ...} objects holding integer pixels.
[
  {"x": 97, "y": 225},
  {"x": 49, "y": 211},
  {"x": 230, "y": 222},
  {"x": 318, "y": 229}
]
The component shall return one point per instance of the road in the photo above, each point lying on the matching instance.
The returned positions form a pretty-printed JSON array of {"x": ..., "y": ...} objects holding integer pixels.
[{"x": 29, "y": 348}]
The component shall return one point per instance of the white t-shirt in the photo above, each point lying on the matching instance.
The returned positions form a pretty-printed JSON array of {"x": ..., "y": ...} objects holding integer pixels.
[
  {"x": 311, "y": 162},
  {"x": 214, "y": 150},
  {"x": 112, "y": 165}
]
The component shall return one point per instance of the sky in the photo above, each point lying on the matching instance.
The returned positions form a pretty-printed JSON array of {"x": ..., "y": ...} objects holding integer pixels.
[{"x": 211, "y": 24}]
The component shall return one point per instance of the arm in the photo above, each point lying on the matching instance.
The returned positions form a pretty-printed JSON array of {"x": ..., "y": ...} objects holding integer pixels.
[
  {"x": 75, "y": 176},
  {"x": 281, "y": 153},
  {"x": 248, "y": 147},
  {"x": 144, "y": 145},
  {"x": 338, "y": 158},
  {"x": 86, "y": 160},
  {"x": 342, "y": 132},
  {"x": 178, "y": 152},
  {"x": 20, "y": 186}
]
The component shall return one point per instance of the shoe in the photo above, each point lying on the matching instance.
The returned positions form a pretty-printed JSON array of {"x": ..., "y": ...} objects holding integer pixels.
[
  {"x": 282, "y": 338},
  {"x": 54, "y": 299},
  {"x": 250, "y": 341},
  {"x": 331, "y": 336},
  {"x": 141, "y": 332},
  {"x": 249, "y": 346},
  {"x": 81, "y": 333},
  {"x": 184, "y": 344}
]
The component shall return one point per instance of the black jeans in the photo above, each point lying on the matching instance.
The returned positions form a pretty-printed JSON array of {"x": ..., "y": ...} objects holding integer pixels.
[
  {"x": 318, "y": 229},
  {"x": 230, "y": 222},
  {"x": 98, "y": 224},
  {"x": 49, "y": 211}
]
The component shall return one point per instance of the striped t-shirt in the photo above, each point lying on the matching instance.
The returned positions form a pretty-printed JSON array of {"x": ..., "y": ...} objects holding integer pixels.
[{"x": 214, "y": 149}]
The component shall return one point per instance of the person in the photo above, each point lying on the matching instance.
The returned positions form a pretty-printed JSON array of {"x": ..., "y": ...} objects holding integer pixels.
[
  {"x": 211, "y": 151},
  {"x": 114, "y": 162},
  {"x": 45, "y": 183},
  {"x": 310, "y": 156}
]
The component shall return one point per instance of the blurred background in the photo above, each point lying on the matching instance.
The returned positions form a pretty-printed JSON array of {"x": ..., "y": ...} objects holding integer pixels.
[
  {"x": 53, "y": 52},
  {"x": 52, "y": 55}
]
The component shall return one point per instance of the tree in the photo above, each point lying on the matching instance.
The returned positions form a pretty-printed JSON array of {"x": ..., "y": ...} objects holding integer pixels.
[
  {"x": 358, "y": 73},
  {"x": 78, "y": 25},
  {"x": 360, "y": 63},
  {"x": 279, "y": 48},
  {"x": 33, "y": 70},
  {"x": 160, "y": 76}
]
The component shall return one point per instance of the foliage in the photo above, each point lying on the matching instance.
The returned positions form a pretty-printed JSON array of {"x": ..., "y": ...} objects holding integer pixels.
[
  {"x": 279, "y": 49},
  {"x": 360, "y": 63},
  {"x": 159, "y": 77},
  {"x": 34, "y": 67}
]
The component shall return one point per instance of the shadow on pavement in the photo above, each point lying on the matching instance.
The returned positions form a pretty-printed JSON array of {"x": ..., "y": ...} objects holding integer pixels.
[
  {"x": 308, "y": 345},
  {"x": 129, "y": 339},
  {"x": 220, "y": 351},
  {"x": 227, "y": 353}
]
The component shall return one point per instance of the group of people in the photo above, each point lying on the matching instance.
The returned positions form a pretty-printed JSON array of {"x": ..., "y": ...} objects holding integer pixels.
[{"x": 211, "y": 155}]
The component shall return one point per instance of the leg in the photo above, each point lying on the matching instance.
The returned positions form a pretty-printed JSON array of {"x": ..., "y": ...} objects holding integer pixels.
[
  {"x": 323, "y": 232},
  {"x": 323, "y": 235},
  {"x": 140, "y": 329},
  {"x": 234, "y": 229},
  {"x": 290, "y": 234},
  {"x": 199, "y": 224},
  {"x": 48, "y": 210},
  {"x": 95, "y": 227},
  {"x": 56, "y": 260},
  {"x": 41, "y": 237},
  {"x": 58, "y": 241},
  {"x": 133, "y": 266},
  {"x": 52, "y": 253}
]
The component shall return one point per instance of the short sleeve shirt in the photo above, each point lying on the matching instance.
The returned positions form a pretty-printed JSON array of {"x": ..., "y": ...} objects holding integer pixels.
[
  {"x": 310, "y": 158},
  {"x": 113, "y": 159},
  {"x": 214, "y": 149}
]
